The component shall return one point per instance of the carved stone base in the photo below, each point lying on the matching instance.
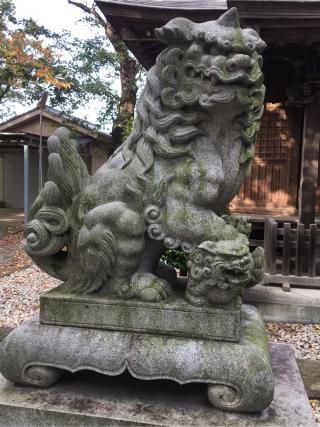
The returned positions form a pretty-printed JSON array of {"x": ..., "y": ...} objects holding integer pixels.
[
  {"x": 172, "y": 317},
  {"x": 239, "y": 375}
]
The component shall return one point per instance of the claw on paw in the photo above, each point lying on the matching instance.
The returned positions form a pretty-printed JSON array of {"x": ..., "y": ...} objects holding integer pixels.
[{"x": 148, "y": 287}]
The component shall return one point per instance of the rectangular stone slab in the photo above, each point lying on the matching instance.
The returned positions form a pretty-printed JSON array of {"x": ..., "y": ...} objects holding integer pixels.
[{"x": 176, "y": 318}]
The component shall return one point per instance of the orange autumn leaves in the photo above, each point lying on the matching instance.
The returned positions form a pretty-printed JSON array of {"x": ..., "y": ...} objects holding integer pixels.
[
  {"x": 24, "y": 59},
  {"x": 46, "y": 74}
]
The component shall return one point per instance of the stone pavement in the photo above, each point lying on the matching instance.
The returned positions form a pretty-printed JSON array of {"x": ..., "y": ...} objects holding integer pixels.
[
  {"x": 10, "y": 219},
  {"x": 300, "y": 305}
]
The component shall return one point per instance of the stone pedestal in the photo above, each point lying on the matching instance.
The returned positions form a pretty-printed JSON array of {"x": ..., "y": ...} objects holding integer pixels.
[
  {"x": 172, "y": 317},
  {"x": 238, "y": 374},
  {"x": 88, "y": 398}
]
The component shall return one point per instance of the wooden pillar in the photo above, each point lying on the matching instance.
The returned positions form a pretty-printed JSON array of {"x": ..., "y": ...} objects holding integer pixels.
[
  {"x": 309, "y": 164},
  {"x": 1, "y": 181},
  {"x": 26, "y": 181}
]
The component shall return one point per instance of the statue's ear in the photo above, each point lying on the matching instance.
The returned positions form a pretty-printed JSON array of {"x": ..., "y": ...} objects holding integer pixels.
[
  {"x": 230, "y": 18},
  {"x": 208, "y": 246},
  {"x": 177, "y": 30}
]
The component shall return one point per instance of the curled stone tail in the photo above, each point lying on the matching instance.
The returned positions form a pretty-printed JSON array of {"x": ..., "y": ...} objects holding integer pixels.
[
  {"x": 66, "y": 167},
  {"x": 48, "y": 231}
]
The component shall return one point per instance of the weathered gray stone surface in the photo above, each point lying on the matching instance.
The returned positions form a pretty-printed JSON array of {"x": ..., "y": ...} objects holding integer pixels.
[
  {"x": 171, "y": 317},
  {"x": 87, "y": 398},
  {"x": 297, "y": 306},
  {"x": 238, "y": 374},
  {"x": 169, "y": 185},
  {"x": 310, "y": 373},
  {"x": 4, "y": 330}
]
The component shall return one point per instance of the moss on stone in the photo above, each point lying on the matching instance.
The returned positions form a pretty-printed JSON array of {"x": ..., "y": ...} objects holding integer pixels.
[
  {"x": 237, "y": 39},
  {"x": 184, "y": 172},
  {"x": 165, "y": 215},
  {"x": 202, "y": 176},
  {"x": 181, "y": 215}
]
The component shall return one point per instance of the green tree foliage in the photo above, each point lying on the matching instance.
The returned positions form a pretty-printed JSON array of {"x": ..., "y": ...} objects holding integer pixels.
[
  {"x": 74, "y": 71},
  {"x": 127, "y": 68},
  {"x": 177, "y": 259},
  {"x": 93, "y": 69},
  {"x": 27, "y": 64}
]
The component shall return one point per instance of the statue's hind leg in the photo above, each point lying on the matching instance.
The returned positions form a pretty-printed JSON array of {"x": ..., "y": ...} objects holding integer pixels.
[{"x": 146, "y": 283}]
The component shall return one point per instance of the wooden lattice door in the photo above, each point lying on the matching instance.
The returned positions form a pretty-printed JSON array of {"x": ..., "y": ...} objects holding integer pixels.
[{"x": 272, "y": 185}]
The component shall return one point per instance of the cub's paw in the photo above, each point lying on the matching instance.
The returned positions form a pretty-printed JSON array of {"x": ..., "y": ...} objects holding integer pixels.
[{"x": 148, "y": 287}]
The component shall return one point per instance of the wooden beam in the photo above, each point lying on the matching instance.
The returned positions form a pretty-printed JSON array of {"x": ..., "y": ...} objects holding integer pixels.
[
  {"x": 65, "y": 121},
  {"x": 18, "y": 120},
  {"x": 309, "y": 165},
  {"x": 26, "y": 182},
  {"x": 166, "y": 4},
  {"x": 302, "y": 281},
  {"x": 275, "y": 9}
]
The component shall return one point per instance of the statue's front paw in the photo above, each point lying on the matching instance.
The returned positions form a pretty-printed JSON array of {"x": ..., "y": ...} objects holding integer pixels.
[
  {"x": 148, "y": 287},
  {"x": 239, "y": 222},
  {"x": 84, "y": 285}
]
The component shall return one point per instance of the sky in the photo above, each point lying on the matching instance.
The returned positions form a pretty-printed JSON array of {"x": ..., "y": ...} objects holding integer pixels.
[
  {"x": 57, "y": 15},
  {"x": 53, "y": 14}
]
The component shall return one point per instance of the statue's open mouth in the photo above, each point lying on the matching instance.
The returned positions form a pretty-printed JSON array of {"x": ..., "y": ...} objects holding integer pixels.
[{"x": 219, "y": 97}]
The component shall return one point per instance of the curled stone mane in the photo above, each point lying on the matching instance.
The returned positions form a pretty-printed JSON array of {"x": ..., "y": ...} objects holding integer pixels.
[
  {"x": 150, "y": 135},
  {"x": 182, "y": 88}
]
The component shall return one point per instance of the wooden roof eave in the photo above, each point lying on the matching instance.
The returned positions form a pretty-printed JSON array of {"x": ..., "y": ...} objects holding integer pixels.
[
  {"x": 126, "y": 16},
  {"x": 17, "y": 139},
  {"x": 15, "y": 121},
  {"x": 135, "y": 20},
  {"x": 282, "y": 9},
  {"x": 24, "y": 118},
  {"x": 65, "y": 121}
]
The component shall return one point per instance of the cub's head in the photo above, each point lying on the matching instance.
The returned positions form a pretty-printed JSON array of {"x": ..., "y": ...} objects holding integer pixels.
[{"x": 209, "y": 63}]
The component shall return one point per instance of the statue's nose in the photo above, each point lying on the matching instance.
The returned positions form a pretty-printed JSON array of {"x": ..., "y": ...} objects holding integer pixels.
[{"x": 239, "y": 62}]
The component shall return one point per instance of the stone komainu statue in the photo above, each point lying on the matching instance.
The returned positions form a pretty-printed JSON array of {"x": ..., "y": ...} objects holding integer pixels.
[{"x": 169, "y": 184}]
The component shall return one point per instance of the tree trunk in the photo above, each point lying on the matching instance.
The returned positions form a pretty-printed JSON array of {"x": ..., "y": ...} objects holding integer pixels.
[{"x": 129, "y": 68}]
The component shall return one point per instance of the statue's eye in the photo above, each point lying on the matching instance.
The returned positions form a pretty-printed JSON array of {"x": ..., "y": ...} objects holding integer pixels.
[
  {"x": 196, "y": 273},
  {"x": 189, "y": 71},
  {"x": 226, "y": 44},
  {"x": 232, "y": 65},
  {"x": 214, "y": 51},
  {"x": 249, "y": 46},
  {"x": 206, "y": 272}
]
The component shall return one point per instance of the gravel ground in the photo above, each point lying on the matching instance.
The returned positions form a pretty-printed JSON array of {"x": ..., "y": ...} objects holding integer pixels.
[
  {"x": 19, "y": 294},
  {"x": 12, "y": 256},
  {"x": 315, "y": 405},
  {"x": 19, "y": 300},
  {"x": 305, "y": 339}
]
